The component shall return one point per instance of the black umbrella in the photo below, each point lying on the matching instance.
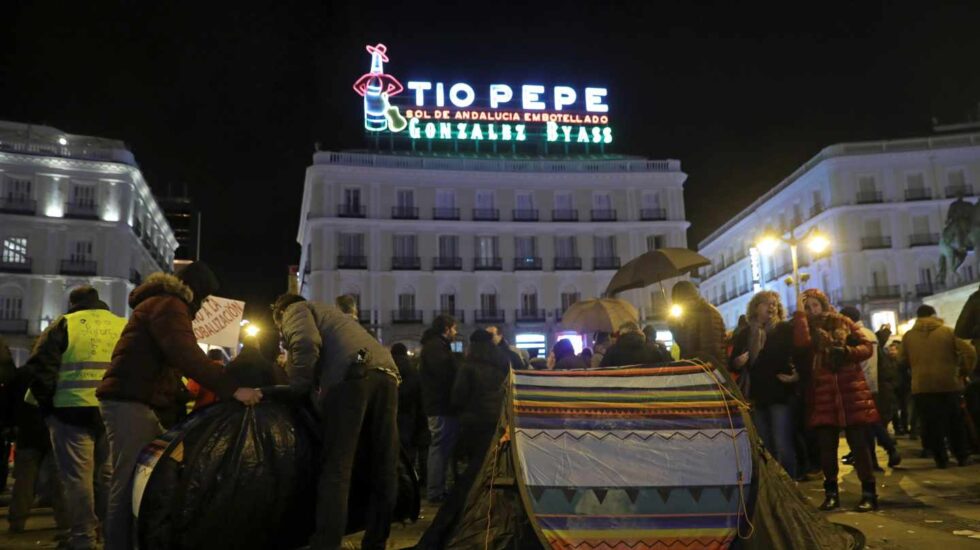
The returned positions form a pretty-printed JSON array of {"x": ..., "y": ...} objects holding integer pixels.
[{"x": 654, "y": 267}]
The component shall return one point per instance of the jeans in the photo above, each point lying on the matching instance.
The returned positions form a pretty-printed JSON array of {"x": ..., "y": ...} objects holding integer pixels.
[
  {"x": 82, "y": 457},
  {"x": 129, "y": 426},
  {"x": 941, "y": 420},
  {"x": 28, "y": 463},
  {"x": 361, "y": 406},
  {"x": 879, "y": 433},
  {"x": 775, "y": 424},
  {"x": 444, "y": 431}
]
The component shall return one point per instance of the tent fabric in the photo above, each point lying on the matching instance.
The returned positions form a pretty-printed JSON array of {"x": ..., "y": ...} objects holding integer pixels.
[{"x": 634, "y": 458}]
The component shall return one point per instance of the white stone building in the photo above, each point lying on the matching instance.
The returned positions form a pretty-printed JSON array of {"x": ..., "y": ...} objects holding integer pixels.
[
  {"x": 73, "y": 210},
  {"x": 489, "y": 239},
  {"x": 883, "y": 206}
]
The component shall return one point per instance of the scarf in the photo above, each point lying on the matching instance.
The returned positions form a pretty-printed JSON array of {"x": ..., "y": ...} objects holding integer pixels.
[{"x": 757, "y": 338}]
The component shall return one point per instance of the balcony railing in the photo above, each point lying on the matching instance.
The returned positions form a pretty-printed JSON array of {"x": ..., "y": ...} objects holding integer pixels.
[
  {"x": 883, "y": 292},
  {"x": 406, "y": 262},
  {"x": 351, "y": 210},
  {"x": 918, "y": 194},
  {"x": 486, "y": 214},
  {"x": 568, "y": 263},
  {"x": 953, "y": 191},
  {"x": 559, "y": 312},
  {"x": 364, "y": 316},
  {"x": 441, "y": 263},
  {"x": 13, "y": 326},
  {"x": 457, "y": 314},
  {"x": 440, "y": 213},
  {"x": 406, "y": 316},
  {"x": 18, "y": 205},
  {"x": 605, "y": 263},
  {"x": 529, "y": 315},
  {"x": 82, "y": 210},
  {"x": 351, "y": 262},
  {"x": 524, "y": 214},
  {"x": 870, "y": 243},
  {"x": 564, "y": 215},
  {"x": 404, "y": 212},
  {"x": 22, "y": 266},
  {"x": 653, "y": 214},
  {"x": 925, "y": 289},
  {"x": 528, "y": 263},
  {"x": 487, "y": 264},
  {"x": 603, "y": 215},
  {"x": 923, "y": 239},
  {"x": 78, "y": 267},
  {"x": 868, "y": 197},
  {"x": 488, "y": 316}
]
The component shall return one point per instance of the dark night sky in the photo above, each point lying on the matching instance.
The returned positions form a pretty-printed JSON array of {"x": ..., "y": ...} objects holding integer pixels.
[{"x": 231, "y": 101}]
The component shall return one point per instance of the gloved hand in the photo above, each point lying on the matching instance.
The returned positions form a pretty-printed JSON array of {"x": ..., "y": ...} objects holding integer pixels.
[
  {"x": 838, "y": 355},
  {"x": 853, "y": 340}
]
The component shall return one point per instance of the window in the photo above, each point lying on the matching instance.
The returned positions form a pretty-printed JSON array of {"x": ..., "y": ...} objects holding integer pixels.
[
  {"x": 17, "y": 188},
  {"x": 872, "y": 228},
  {"x": 866, "y": 185},
  {"x": 817, "y": 203},
  {"x": 568, "y": 298},
  {"x": 485, "y": 200},
  {"x": 956, "y": 178},
  {"x": 529, "y": 301},
  {"x": 915, "y": 182},
  {"x": 797, "y": 214},
  {"x": 448, "y": 246},
  {"x": 525, "y": 247},
  {"x": 486, "y": 247},
  {"x": 602, "y": 201},
  {"x": 445, "y": 198},
  {"x": 925, "y": 276},
  {"x": 11, "y": 303},
  {"x": 14, "y": 250},
  {"x": 651, "y": 200},
  {"x": 920, "y": 225},
  {"x": 405, "y": 246},
  {"x": 565, "y": 247},
  {"x": 351, "y": 244},
  {"x": 447, "y": 302},
  {"x": 405, "y": 198},
  {"x": 406, "y": 301},
  {"x": 80, "y": 251},
  {"x": 524, "y": 200},
  {"x": 564, "y": 201},
  {"x": 488, "y": 301},
  {"x": 83, "y": 194},
  {"x": 605, "y": 247},
  {"x": 879, "y": 277},
  {"x": 655, "y": 242},
  {"x": 352, "y": 198}
]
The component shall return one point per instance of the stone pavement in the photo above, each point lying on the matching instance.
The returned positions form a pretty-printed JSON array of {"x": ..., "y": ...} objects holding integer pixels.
[{"x": 921, "y": 508}]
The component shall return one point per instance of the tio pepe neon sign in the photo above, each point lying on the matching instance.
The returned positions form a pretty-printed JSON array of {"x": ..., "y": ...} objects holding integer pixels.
[{"x": 438, "y": 111}]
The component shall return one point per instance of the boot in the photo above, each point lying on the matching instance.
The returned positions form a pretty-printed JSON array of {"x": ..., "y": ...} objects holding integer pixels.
[
  {"x": 848, "y": 459},
  {"x": 894, "y": 459},
  {"x": 869, "y": 498},
  {"x": 831, "y": 499}
]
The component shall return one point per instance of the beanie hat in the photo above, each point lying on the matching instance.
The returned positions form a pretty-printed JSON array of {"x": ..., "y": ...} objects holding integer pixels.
[{"x": 201, "y": 280}]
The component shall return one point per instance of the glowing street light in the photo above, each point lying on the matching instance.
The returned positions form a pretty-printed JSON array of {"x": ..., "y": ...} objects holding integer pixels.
[
  {"x": 816, "y": 241},
  {"x": 676, "y": 311},
  {"x": 251, "y": 331}
]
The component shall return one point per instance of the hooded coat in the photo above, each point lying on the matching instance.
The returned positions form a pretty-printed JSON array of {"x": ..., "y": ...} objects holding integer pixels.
[
  {"x": 837, "y": 395},
  {"x": 937, "y": 358},
  {"x": 157, "y": 343},
  {"x": 700, "y": 333}
]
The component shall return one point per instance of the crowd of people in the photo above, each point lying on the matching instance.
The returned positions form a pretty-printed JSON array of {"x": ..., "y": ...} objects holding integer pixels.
[{"x": 98, "y": 388}]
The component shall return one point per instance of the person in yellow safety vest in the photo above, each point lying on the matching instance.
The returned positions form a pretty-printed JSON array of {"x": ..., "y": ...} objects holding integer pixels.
[{"x": 67, "y": 364}]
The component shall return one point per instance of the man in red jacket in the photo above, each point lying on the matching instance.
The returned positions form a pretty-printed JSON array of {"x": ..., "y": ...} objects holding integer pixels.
[{"x": 157, "y": 340}]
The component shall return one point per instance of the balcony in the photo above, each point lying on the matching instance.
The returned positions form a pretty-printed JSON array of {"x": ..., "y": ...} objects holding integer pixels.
[
  {"x": 653, "y": 214},
  {"x": 345, "y": 261},
  {"x": 564, "y": 215},
  {"x": 487, "y": 264},
  {"x": 406, "y": 316},
  {"x": 883, "y": 292},
  {"x": 524, "y": 215},
  {"x": 923, "y": 239},
  {"x": 404, "y": 213},
  {"x": 440, "y": 213},
  {"x": 447, "y": 264},
  {"x": 871, "y": 243},
  {"x": 953, "y": 191},
  {"x": 611, "y": 262},
  {"x": 82, "y": 210},
  {"x": 457, "y": 314},
  {"x": 351, "y": 211},
  {"x": 13, "y": 326},
  {"x": 138, "y": 228},
  {"x": 488, "y": 316},
  {"x": 529, "y": 315},
  {"x": 528, "y": 263},
  {"x": 406, "y": 262},
  {"x": 926, "y": 289},
  {"x": 78, "y": 267},
  {"x": 868, "y": 197},
  {"x": 13, "y": 266},
  {"x": 568, "y": 263},
  {"x": 603, "y": 215},
  {"x": 18, "y": 205},
  {"x": 486, "y": 214},
  {"x": 918, "y": 194}
]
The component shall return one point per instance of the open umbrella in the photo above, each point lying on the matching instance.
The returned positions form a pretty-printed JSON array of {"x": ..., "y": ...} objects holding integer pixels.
[
  {"x": 599, "y": 315},
  {"x": 654, "y": 267}
]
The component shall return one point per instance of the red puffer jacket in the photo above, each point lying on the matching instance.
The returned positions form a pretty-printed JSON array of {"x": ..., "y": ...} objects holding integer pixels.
[{"x": 835, "y": 397}]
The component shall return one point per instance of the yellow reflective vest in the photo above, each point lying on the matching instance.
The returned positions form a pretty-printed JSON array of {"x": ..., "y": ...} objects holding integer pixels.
[{"x": 92, "y": 335}]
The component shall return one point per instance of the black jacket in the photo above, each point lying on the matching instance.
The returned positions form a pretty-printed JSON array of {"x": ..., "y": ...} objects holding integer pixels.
[
  {"x": 571, "y": 362},
  {"x": 411, "y": 419},
  {"x": 437, "y": 371},
  {"x": 633, "y": 349},
  {"x": 775, "y": 357},
  {"x": 514, "y": 358},
  {"x": 479, "y": 391}
]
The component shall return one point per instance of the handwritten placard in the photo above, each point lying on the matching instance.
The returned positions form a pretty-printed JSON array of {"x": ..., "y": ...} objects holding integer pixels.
[{"x": 219, "y": 321}]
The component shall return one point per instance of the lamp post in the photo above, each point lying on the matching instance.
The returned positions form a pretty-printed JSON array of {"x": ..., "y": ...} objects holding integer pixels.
[{"x": 815, "y": 240}]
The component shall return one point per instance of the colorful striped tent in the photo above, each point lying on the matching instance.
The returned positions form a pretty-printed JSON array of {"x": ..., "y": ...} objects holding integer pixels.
[{"x": 633, "y": 458}]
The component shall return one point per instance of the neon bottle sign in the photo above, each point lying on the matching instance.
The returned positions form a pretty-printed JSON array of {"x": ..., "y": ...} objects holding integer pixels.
[{"x": 376, "y": 87}]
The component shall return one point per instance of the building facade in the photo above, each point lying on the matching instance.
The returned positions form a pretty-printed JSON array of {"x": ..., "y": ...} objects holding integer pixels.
[
  {"x": 883, "y": 206},
  {"x": 74, "y": 210},
  {"x": 490, "y": 240}
]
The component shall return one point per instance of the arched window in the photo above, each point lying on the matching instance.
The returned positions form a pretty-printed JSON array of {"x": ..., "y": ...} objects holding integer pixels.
[{"x": 529, "y": 300}]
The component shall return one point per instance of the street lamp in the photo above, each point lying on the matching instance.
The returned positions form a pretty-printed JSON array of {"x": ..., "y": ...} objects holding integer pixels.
[
  {"x": 816, "y": 241},
  {"x": 676, "y": 311},
  {"x": 251, "y": 330}
]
